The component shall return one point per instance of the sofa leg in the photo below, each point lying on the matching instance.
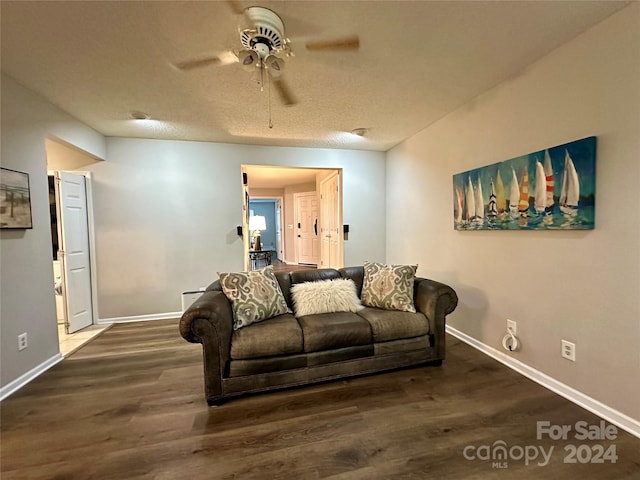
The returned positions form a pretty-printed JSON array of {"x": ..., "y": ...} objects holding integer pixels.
[
  {"x": 436, "y": 363},
  {"x": 215, "y": 402}
]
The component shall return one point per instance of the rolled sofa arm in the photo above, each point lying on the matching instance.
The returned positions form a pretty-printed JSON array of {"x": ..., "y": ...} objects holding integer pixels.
[
  {"x": 436, "y": 300},
  {"x": 209, "y": 321}
]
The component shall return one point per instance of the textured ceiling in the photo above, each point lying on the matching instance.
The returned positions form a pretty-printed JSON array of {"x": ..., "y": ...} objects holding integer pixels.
[{"x": 417, "y": 62}]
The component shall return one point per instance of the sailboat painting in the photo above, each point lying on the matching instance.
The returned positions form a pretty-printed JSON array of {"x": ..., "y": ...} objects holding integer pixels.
[{"x": 551, "y": 189}]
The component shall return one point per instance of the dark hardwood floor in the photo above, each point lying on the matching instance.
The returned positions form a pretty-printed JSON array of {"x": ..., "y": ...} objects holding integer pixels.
[
  {"x": 279, "y": 266},
  {"x": 130, "y": 405}
]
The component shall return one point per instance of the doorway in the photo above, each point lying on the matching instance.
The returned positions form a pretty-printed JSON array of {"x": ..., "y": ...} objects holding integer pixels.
[
  {"x": 71, "y": 213},
  {"x": 266, "y": 181},
  {"x": 271, "y": 238},
  {"x": 72, "y": 259}
]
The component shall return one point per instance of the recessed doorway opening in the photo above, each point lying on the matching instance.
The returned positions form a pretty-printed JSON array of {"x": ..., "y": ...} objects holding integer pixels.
[{"x": 306, "y": 216}]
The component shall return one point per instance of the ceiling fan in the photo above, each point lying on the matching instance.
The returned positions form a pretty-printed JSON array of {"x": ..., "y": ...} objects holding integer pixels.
[{"x": 263, "y": 45}]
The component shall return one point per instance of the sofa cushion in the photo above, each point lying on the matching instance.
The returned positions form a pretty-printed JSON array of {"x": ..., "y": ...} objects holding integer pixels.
[
  {"x": 356, "y": 274},
  {"x": 284, "y": 280},
  {"x": 325, "y": 296},
  {"x": 388, "y": 286},
  {"x": 281, "y": 335},
  {"x": 255, "y": 296},
  {"x": 389, "y": 325},
  {"x": 326, "y": 331},
  {"x": 300, "y": 276}
]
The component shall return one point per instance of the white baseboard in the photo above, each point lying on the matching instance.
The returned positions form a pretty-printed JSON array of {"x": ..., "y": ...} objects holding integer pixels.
[
  {"x": 594, "y": 406},
  {"x": 141, "y": 318},
  {"x": 25, "y": 378}
]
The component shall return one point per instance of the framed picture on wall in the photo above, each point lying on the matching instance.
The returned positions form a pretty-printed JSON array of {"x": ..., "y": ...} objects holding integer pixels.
[
  {"x": 550, "y": 189},
  {"x": 15, "y": 199}
]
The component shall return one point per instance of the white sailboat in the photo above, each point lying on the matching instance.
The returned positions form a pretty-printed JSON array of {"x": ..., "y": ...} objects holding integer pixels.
[
  {"x": 514, "y": 194},
  {"x": 479, "y": 202},
  {"x": 540, "y": 194},
  {"x": 570, "y": 191},
  {"x": 523, "y": 205},
  {"x": 470, "y": 202},
  {"x": 501, "y": 201},
  {"x": 493, "y": 210}
]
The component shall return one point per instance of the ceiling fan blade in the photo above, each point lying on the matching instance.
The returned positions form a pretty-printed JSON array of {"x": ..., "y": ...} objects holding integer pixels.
[
  {"x": 224, "y": 58},
  {"x": 197, "y": 63},
  {"x": 346, "y": 43},
  {"x": 286, "y": 96},
  {"x": 236, "y": 6}
]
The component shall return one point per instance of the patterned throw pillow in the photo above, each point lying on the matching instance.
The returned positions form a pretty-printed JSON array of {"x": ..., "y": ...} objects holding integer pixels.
[
  {"x": 389, "y": 286},
  {"x": 325, "y": 296},
  {"x": 255, "y": 296}
]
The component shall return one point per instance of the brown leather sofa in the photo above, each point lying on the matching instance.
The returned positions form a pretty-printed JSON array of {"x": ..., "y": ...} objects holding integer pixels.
[{"x": 285, "y": 351}]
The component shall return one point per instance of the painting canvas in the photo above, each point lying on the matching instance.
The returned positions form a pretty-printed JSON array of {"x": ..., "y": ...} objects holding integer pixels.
[
  {"x": 551, "y": 189},
  {"x": 15, "y": 199}
]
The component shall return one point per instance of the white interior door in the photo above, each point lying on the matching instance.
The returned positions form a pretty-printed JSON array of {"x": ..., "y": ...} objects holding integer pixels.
[
  {"x": 330, "y": 223},
  {"x": 307, "y": 213},
  {"x": 279, "y": 248},
  {"x": 74, "y": 250}
]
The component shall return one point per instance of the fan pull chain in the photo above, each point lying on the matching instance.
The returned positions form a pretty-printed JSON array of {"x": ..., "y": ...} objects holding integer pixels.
[{"x": 261, "y": 76}]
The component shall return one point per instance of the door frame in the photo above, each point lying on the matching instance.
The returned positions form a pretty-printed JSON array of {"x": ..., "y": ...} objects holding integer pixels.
[
  {"x": 92, "y": 238},
  {"x": 321, "y": 173}
]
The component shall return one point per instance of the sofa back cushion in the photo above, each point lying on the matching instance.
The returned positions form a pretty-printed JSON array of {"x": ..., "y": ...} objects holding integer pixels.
[
  {"x": 356, "y": 274},
  {"x": 284, "y": 280},
  {"x": 301, "y": 276}
]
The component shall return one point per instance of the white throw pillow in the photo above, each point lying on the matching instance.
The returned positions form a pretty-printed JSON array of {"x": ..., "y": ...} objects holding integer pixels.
[{"x": 325, "y": 296}]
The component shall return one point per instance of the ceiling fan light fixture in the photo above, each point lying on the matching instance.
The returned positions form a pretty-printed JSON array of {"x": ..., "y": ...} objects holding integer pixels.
[
  {"x": 248, "y": 59},
  {"x": 360, "y": 132},
  {"x": 266, "y": 26},
  {"x": 275, "y": 65}
]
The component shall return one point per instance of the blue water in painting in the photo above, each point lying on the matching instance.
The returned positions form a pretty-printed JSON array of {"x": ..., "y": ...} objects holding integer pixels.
[{"x": 584, "y": 220}]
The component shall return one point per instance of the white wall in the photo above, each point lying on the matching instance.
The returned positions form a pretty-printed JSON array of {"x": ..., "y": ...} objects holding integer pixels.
[
  {"x": 165, "y": 217},
  {"x": 166, "y": 214},
  {"x": 27, "y": 299},
  {"x": 582, "y": 286}
]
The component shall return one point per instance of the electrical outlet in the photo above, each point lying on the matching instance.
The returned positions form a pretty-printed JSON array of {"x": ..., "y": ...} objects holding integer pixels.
[
  {"x": 22, "y": 341},
  {"x": 568, "y": 350},
  {"x": 511, "y": 325}
]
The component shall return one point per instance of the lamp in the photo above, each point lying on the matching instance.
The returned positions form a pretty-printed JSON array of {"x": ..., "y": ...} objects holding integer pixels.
[{"x": 257, "y": 223}]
